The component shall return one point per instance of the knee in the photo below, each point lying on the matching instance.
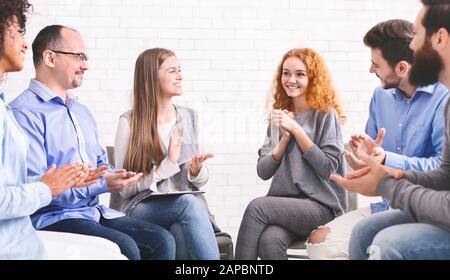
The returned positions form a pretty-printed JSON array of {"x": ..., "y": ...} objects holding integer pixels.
[
  {"x": 360, "y": 240},
  {"x": 187, "y": 200},
  {"x": 318, "y": 236},
  {"x": 255, "y": 206},
  {"x": 386, "y": 246},
  {"x": 166, "y": 246},
  {"x": 360, "y": 230},
  {"x": 167, "y": 241},
  {"x": 128, "y": 247},
  {"x": 192, "y": 206}
]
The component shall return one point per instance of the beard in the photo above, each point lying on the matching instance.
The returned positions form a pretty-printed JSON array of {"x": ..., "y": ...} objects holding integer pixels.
[
  {"x": 426, "y": 67},
  {"x": 390, "y": 85},
  {"x": 391, "y": 81}
]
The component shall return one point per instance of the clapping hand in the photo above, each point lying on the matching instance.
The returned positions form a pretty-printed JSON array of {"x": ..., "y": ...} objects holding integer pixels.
[
  {"x": 59, "y": 180},
  {"x": 92, "y": 176},
  {"x": 196, "y": 163},
  {"x": 284, "y": 120},
  {"x": 363, "y": 144},
  {"x": 365, "y": 180},
  {"x": 121, "y": 179}
]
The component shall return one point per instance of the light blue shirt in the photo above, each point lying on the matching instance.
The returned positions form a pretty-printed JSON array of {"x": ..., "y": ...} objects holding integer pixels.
[
  {"x": 59, "y": 134},
  {"x": 414, "y": 127},
  {"x": 18, "y": 198}
]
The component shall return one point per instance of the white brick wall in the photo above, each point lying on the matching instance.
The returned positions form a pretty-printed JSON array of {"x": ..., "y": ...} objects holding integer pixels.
[{"x": 229, "y": 50}]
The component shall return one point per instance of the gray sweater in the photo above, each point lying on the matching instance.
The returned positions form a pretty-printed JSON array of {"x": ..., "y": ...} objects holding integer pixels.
[
  {"x": 306, "y": 174},
  {"x": 424, "y": 196}
]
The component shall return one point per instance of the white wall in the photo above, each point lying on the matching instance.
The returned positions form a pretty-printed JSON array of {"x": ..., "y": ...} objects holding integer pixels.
[{"x": 229, "y": 50}]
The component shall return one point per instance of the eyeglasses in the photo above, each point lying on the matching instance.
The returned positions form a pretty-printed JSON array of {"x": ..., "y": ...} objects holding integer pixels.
[{"x": 79, "y": 56}]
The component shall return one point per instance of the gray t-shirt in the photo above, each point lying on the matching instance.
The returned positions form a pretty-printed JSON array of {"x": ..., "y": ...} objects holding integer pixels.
[
  {"x": 424, "y": 196},
  {"x": 306, "y": 174}
]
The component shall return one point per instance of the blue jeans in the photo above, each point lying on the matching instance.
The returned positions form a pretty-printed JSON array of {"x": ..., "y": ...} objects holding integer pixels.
[
  {"x": 392, "y": 235},
  {"x": 187, "y": 219},
  {"x": 136, "y": 239}
]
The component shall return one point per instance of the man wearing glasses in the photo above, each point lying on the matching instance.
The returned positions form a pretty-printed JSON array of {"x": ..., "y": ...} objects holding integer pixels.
[{"x": 60, "y": 130}]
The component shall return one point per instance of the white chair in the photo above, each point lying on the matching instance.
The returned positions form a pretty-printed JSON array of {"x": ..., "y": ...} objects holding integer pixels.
[{"x": 71, "y": 246}]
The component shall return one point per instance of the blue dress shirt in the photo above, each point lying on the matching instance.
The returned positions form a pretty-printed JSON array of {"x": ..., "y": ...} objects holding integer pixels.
[
  {"x": 60, "y": 133},
  {"x": 414, "y": 128},
  {"x": 18, "y": 198}
]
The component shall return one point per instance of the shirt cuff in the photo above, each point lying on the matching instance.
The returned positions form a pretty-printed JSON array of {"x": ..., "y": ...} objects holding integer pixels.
[
  {"x": 394, "y": 160},
  {"x": 204, "y": 173},
  {"x": 34, "y": 179},
  {"x": 274, "y": 160},
  {"x": 45, "y": 194},
  {"x": 99, "y": 188}
]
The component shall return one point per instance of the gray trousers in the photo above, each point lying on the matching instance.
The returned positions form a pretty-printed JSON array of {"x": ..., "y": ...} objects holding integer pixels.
[{"x": 271, "y": 224}]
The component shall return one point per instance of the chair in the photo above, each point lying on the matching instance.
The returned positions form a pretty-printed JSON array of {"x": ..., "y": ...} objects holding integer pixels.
[
  {"x": 72, "y": 246},
  {"x": 224, "y": 240}
]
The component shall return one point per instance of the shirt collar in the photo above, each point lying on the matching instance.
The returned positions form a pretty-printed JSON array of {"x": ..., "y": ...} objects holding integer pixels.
[
  {"x": 2, "y": 96},
  {"x": 427, "y": 89},
  {"x": 43, "y": 91}
]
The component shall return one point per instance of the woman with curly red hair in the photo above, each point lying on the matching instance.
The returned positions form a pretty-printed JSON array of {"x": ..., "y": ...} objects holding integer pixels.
[{"x": 303, "y": 147}]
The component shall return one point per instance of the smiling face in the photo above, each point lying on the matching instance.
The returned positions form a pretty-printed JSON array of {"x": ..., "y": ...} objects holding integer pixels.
[
  {"x": 381, "y": 68},
  {"x": 294, "y": 77},
  {"x": 170, "y": 78},
  {"x": 68, "y": 68},
  {"x": 14, "y": 48}
]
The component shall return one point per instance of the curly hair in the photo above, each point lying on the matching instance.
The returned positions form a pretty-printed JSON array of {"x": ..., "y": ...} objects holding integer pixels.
[
  {"x": 8, "y": 9},
  {"x": 320, "y": 93}
]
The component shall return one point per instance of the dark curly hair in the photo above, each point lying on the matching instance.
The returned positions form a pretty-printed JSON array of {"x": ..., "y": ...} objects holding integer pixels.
[{"x": 8, "y": 9}]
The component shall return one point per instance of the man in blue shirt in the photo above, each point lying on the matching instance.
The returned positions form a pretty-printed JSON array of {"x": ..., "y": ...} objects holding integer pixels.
[
  {"x": 61, "y": 130},
  {"x": 411, "y": 118}
]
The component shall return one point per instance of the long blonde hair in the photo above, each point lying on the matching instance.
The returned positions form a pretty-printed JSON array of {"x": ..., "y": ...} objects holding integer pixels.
[
  {"x": 320, "y": 93},
  {"x": 144, "y": 148}
]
